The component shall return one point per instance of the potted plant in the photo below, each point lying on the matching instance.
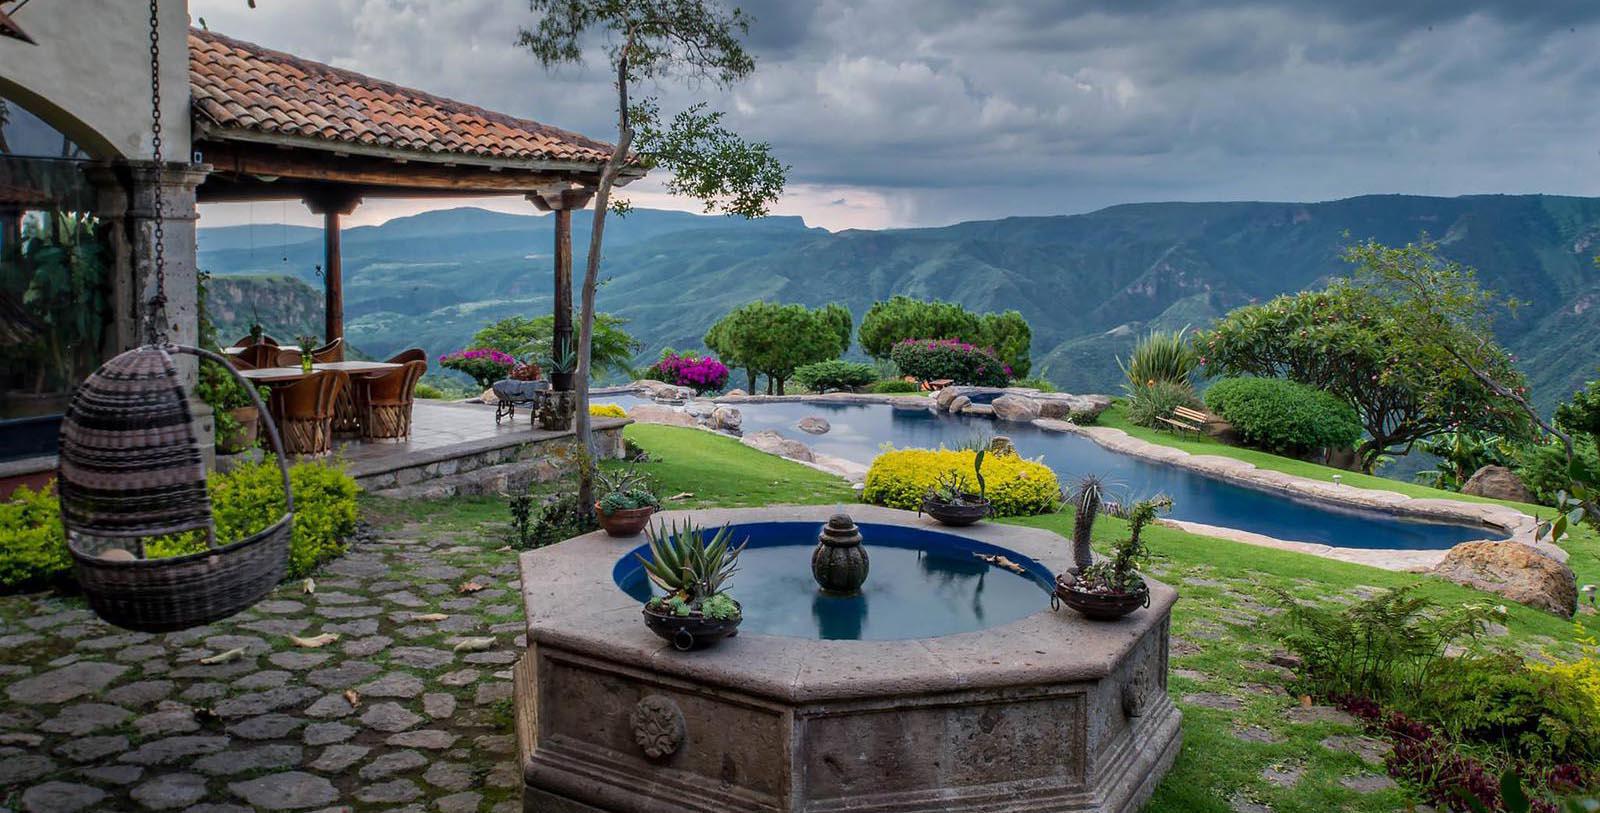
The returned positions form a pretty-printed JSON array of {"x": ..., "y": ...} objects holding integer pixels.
[
  {"x": 1111, "y": 588},
  {"x": 562, "y": 363},
  {"x": 307, "y": 344},
  {"x": 951, "y": 503},
  {"x": 695, "y": 611},
  {"x": 233, "y": 414},
  {"x": 626, "y": 501}
]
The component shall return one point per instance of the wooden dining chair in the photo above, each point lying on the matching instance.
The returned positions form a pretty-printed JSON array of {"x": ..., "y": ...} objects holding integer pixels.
[
  {"x": 247, "y": 341},
  {"x": 414, "y": 354},
  {"x": 383, "y": 402},
  {"x": 304, "y": 411},
  {"x": 332, "y": 351},
  {"x": 286, "y": 358},
  {"x": 260, "y": 355}
]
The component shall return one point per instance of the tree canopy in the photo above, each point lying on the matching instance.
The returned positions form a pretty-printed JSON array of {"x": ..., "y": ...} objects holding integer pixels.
[
  {"x": 1360, "y": 341},
  {"x": 772, "y": 340},
  {"x": 525, "y": 338},
  {"x": 891, "y": 321}
]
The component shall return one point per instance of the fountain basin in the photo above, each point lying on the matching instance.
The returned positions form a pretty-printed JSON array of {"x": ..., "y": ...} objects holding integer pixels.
[{"x": 1043, "y": 712}]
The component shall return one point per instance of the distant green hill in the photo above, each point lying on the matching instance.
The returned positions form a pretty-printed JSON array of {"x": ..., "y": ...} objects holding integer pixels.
[{"x": 1089, "y": 284}]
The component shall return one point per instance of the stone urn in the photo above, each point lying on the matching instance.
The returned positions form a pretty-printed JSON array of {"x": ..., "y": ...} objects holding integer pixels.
[
  {"x": 839, "y": 563},
  {"x": 555, "y": 412}
]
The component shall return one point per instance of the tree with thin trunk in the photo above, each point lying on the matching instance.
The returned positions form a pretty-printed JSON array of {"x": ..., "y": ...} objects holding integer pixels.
[{"x": 657, "y": 40}]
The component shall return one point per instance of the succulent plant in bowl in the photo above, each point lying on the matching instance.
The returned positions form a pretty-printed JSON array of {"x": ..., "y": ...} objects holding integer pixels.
[
  {"x": 626, "y": 501},
  {"x": 1112, "y": 588},
  {"x": 692, "y": 570},
  {"x": 952, "y": 502}
]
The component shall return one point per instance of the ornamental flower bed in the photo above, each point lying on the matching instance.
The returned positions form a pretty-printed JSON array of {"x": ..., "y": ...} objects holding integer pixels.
[
  {"x": 962, "y": 363},
  {"x": 484, "y": 364},
  {"x": 702, "y": 374}
]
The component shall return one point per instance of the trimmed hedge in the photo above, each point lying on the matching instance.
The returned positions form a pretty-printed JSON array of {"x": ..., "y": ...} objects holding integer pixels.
[
  {"x": 890, "y": 386},
  {"x": 1016, "y": 487},
  {"x": 33, "y": 551},
  {"x": 835, "y": 374},
  {"x": 1283, "y": 416},
  {"x": 936, "y": 359}
]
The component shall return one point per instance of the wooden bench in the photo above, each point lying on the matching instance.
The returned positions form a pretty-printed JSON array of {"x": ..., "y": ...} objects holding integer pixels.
[{"x": 1187, "y": 420}]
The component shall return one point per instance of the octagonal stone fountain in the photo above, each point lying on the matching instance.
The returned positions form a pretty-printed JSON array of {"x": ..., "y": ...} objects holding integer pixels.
[{"x": 945, "y": 684}]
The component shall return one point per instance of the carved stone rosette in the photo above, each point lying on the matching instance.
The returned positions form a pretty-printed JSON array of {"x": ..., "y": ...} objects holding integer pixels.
[{"x": 658, "y": 726}]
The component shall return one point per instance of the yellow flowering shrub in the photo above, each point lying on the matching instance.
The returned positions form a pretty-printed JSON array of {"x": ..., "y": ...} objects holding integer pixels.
[
  {"x": 899, "y": 478},
  {"x": 1581, "y": 676},
  {"x": 607, "y": 411}
]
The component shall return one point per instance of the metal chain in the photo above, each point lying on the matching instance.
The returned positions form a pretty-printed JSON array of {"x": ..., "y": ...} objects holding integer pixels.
[{"x": 156, "y": 318}]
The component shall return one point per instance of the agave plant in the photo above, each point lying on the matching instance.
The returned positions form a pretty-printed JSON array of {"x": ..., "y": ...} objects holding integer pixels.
[
  {"x": 1161, "y": 356},
  {"x": 687, "y": 566}
]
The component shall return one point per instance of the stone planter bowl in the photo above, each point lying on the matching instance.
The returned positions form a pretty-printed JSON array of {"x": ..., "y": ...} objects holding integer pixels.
[
  {"x": 956, "y": 515},
  {"x": 1100, "y": 606},
  {"x": 626, "y": 522},
  {"x": 690, "y": 631}
]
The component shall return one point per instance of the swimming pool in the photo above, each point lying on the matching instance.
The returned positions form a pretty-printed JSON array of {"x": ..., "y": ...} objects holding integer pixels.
[{"x": 860, "y": 430}]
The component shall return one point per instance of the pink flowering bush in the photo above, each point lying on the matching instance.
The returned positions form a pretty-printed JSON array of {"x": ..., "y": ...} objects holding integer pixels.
[
  {"x": 962, "y": 363},
  {"x": 702, "y": 374},
  {"x": 484, "y": 364}
]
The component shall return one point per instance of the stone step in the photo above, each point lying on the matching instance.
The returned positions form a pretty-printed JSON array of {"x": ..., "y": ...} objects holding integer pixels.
[{"x": 503, "y": 478}]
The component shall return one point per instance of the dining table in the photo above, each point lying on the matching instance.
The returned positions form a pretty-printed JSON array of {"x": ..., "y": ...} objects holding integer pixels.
[
  {"x": 289, "y": 375},
  {"x": 237, "y": 349}
]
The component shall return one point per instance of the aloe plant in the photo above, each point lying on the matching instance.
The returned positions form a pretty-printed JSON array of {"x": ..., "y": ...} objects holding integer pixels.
[{"x": 687, "y": 566}]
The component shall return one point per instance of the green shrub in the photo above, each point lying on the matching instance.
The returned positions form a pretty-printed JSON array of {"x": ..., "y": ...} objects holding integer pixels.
[
  {"x": 1148, "y": 403},
  {"x": 1014, "y": 486},
  {"x": 962, "y": 363},
  {"x": 1543, "y": 467},
  {"x": 429, "y": 392},
  {"x": 836, "y": 374},
  {"x": 1161, "y": 355},
  {"x": 893, "y": 385},
  {"x": 244, "y": 500},
  {"x": 33, "y": 549},
  {"x": 1283, "y": 416},
  {"x": 1036, "y": 383}
]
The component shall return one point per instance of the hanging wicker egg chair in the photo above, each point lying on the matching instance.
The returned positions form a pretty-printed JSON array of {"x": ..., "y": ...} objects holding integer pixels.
[{"x": 130, "y": 471}]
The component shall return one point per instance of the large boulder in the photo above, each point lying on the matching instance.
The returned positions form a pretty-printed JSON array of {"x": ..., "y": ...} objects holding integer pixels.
[
  {"x": 737, "y": 393},
  {"x": 943, "y": 397},
  {"x": 1002, "y": 445},
  {"x": 771, "y": 442},
  {"x": 813, "y": 425},
  {"x": 488, "y": 397},
  {"x": 1499, "y": 483},
  {"x": 655, "y": 413},
  {"x": 959, "y": 403},
  {"x": 1018, "y": 408},
  {"x": 661, "y": 390},
  {"x": 727, "y": 418},
  {"x": 1063, "y": 406},
  {"x": 1513, "y": 570}
]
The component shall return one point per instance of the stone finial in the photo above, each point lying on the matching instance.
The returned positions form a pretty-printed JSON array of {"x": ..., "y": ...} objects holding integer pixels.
[{"x": 839, "y": 564}]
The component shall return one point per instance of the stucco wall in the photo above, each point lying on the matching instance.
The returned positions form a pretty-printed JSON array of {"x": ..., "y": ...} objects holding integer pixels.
[{"x": 89, "y": 76}]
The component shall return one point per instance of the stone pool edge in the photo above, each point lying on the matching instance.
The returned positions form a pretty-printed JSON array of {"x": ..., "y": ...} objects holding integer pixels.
[{"x": 1518, "y": 526}]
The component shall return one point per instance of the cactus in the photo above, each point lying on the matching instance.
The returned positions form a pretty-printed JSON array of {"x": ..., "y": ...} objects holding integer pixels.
[{"x": 1087, "y": 495}]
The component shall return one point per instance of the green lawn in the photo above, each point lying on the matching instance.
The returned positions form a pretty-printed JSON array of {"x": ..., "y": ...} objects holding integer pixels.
[{"x": 1251, "y": 750}]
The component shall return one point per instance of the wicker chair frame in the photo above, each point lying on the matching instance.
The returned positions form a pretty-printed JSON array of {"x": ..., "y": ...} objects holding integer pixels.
[{"x": 131, "y": 469}]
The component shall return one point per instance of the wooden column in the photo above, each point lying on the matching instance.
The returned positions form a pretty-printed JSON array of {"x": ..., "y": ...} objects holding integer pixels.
[
  {"x": 331, "y": 205},
  {"x": 562, "y": 202}
]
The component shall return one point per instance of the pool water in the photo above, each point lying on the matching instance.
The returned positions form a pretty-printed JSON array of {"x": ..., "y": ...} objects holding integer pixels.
[
  {"x": 859, "y": 432},
  {"x": 921, "y": 584}
]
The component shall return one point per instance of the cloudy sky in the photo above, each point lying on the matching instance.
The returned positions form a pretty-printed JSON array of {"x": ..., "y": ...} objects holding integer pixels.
[{"x": 927, "y": 112}]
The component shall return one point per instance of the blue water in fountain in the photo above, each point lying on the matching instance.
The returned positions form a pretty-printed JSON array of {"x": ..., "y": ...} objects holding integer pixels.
[
  {"x": 921, "y": 584},
  {"x": 859, "y": 432}
]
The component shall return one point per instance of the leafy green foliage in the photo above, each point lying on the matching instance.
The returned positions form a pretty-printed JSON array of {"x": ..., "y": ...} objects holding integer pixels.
[
  {"x": 1149, "y": 402},
  {"x": 1161, "y": 355},
  {"x": 33, "y": 547},
  {"x": 1035, "y": 383},
  {"x": 1546, "y": 470},
  {"x": 1460, "y": 454},
  {"x": 1283, "y": 416},
  {"x": 58, "y": 272},
  {"x": 950, "y": 360},
  {"x": 536, "y": 524},
  {"x": 709, "y": 162},
  {"x": 835, "y": 374},
  {"x": 1350, "y": 341},
  {"x": 774, "y": 340},
  {"x": 525, "y": 338},
  {"x": 892, "y": 386},
  {"x": 892, "y": 321},
  {"x": 1581, "y": 414}
]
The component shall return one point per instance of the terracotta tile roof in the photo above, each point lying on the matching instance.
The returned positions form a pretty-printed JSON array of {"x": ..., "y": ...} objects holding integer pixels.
[{"x": 237, "y": 85}]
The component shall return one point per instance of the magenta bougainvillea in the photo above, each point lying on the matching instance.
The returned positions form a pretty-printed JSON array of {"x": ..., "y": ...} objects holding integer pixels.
[
  {"x": 958, "y": 361},
  {"x": 700, "y": 373},
  {"x": 484, "y": 364}
]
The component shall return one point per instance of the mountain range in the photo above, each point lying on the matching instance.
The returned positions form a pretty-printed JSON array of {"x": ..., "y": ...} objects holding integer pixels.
[{"x": 1089, "y": 284}]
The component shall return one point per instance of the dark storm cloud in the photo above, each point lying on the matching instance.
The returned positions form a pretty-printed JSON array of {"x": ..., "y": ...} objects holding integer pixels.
[{"x": 941, "y": 110}]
